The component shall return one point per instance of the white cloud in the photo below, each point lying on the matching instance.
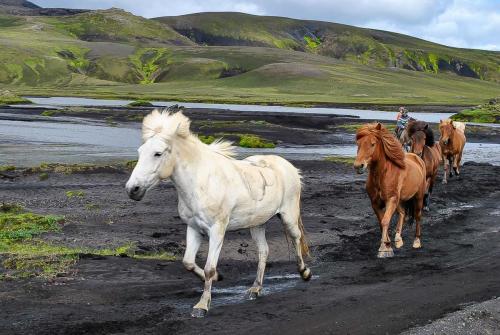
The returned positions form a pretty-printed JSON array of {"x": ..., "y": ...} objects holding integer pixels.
[{"x": 460, "y": 23}]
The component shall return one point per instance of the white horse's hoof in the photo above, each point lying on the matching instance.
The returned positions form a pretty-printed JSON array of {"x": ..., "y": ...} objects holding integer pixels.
[
  {"x": 427, "y": 209},
  {"x": 444, "y": 182},
  {"x": 306, "y": 274},
  {"x": 417, "y": 244},
  {"x": 386, "y": 254},
  {"x": 251, "y": 295},
  {"x": 198, "y": 313},
  {"x": 398, "y": 243}
]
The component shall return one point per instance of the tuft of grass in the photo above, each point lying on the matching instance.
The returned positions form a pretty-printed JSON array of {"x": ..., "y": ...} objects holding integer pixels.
[
  {"x": 49, "y": 113},
  {"x": 140, "y": 103},
  {"x": 161, "y": 256},
  {"x": 340, "y": 159},
  {"x": 131, "y": 164},
  {"x": 43, "y": 176},
  {"x": 206, "y": 139},
  {"x": 75, "y": 194},
  {"x": 6, "y": 168},
  {"x": 110, "y": 121},
  {"x": 92, "y": 207},
  {"x": 254, "y": 141},
  {"x": 18, "y": 225}
]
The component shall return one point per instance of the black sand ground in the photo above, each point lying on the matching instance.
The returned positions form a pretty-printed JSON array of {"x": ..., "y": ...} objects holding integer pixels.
[{"x": 352, "y": 291}]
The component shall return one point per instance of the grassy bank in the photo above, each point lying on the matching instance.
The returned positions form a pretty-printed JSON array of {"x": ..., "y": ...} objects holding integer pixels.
[
  {"x": 486, "y": 113},
  {"x": 25, "y": 254}
]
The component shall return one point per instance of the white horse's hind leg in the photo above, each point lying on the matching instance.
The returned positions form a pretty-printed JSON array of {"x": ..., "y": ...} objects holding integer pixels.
[
  {"x": 216, "y": 237},
  {"x": 259, "y": 236},
  {"x": 292, "y": 222}
]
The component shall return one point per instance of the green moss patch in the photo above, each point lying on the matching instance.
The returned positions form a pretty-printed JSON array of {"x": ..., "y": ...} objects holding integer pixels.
[
  {"x": 24, "y": 254},
  {"x": 254, "y": 141},
  {"x": 75, "y": 194},
  {"x": 140, "y": 103},
  {"x": 9, "y": 98},
  {"x": 486, "y": 113},
  {"x": 340, "y": 159},
  {"x": 6, "y": 168}
]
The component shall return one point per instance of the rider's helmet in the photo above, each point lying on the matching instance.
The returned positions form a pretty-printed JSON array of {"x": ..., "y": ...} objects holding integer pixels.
[{"x": 403, "y": 111}]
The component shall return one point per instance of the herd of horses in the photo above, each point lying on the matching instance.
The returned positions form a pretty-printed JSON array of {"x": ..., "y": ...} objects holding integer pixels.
[
  {"x": 219, "y": 193},
  {"x": 403, "y": 181}
]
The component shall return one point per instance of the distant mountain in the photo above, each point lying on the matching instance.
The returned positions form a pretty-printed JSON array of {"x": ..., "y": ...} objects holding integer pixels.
[
  {"x": 365, "y": 46},
  {"x": 22, "y": 7},
  {"x": 231, "y": 57}
]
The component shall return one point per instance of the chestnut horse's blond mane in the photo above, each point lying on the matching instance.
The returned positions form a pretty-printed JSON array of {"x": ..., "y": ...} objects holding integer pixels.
[{"x": 390, "y": 144}]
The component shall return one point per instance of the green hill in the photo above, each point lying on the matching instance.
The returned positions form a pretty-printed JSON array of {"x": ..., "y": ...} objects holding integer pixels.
[
  {"x": 364, "y": 46},
  {"x": 230, "y": 57}
]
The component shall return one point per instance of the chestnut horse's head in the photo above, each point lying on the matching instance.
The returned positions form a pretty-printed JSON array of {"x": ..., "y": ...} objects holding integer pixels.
[
  {"x": 374, "y": 140},
  {"x": 446, "y": 128},
  {"x": 418, "y": 142},
  {"x": 366, "y": 149}
]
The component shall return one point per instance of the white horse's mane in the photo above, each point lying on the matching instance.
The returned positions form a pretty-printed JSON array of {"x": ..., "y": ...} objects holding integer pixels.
[{"x": 167, "y": 123}]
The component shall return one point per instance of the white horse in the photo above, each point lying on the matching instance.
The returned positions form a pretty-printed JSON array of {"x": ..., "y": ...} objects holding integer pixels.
[{"x": 218, "y": 193}]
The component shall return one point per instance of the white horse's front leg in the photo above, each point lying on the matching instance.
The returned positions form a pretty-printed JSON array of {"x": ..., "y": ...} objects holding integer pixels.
[
  {"x": 193, "y": 241},
  {"x": 216, "y": 237},
  {"x": 259, "y": 236}
]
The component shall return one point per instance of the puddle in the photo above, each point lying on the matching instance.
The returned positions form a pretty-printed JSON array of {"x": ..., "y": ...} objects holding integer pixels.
[
  {"x": 449, "y": 211},
  {"x": 222, "y": 296}
]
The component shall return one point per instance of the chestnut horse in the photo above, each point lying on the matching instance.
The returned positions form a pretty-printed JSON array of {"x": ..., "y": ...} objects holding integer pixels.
[
  {"x": 396, "y": 182},
  {"x": 452, "y": 144},
  {"x": 424, "y": 146}
]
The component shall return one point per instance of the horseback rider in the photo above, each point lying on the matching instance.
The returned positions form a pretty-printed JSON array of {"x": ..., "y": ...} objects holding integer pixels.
[{"x": 402, "y": 120}]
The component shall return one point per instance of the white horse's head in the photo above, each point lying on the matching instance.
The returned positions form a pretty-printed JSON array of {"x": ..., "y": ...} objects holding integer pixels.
[{"x": 160, "y": 129}]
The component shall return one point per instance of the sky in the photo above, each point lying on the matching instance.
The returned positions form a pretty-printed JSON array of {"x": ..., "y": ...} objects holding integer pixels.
[{"x": 458, "y": 23}]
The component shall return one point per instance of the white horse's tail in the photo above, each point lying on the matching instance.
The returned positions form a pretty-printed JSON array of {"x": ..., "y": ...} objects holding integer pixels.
[{"x": 304, "y": 246}]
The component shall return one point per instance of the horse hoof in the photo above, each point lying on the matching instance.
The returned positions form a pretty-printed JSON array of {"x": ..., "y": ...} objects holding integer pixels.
[
  {"x": 427, "y": 209},
  {"x": 417, "y": 244},
  {"x": 198, "y": 313},
  {"x": 251, "y": 295},
  {"x": 444, "y": 182},
  {"x": 385, "y": 254},
  {"x": 398, "y": 244},
  {"x": 306, "y": 274}
]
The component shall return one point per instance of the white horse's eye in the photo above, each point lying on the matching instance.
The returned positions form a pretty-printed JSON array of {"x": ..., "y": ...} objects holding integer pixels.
[{"x": 158, "y": 154}]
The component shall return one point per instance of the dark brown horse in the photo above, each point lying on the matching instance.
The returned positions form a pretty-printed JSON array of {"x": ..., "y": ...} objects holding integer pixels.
[
  {"x": 396, "y": 182},
  {"x": 424, "y": 146},
  {"x": 452, "y": 144}
]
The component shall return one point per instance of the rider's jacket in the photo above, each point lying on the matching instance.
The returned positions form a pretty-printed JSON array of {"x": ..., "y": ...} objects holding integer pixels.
[{"x": 403, "y": 121}]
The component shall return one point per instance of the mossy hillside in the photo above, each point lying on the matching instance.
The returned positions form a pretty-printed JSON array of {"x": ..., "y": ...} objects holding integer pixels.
[
  {"x": 114, "y": 25},
  {"x": 366, "y": 46}
]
